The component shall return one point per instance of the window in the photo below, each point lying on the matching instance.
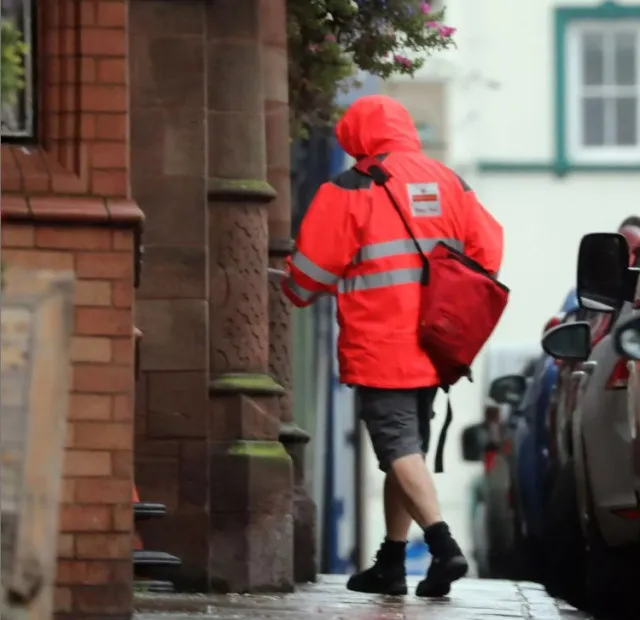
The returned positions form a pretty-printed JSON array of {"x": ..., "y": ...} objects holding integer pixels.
[
  {"x": 603, "y": 91},
  {"x": 18, "y": 118},
  {"x": 428, "y": 135}
]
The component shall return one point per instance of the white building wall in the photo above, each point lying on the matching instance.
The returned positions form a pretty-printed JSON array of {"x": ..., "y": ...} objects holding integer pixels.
[{"x": 500, "y": 98}]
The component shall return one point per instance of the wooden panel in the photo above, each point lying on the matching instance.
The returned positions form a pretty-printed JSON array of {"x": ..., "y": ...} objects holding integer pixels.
[{"x": 37, "y": 322}]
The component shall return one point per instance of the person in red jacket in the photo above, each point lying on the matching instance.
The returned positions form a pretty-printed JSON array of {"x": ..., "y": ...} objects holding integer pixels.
[{"x": 353, "y": 244}]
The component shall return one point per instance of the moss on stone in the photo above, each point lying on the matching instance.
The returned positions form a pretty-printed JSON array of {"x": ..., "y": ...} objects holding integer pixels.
[
  {"x": 259, "y": 449},
  {"x": 251, "y": 383},
  {"x": 237, "y": 188}
]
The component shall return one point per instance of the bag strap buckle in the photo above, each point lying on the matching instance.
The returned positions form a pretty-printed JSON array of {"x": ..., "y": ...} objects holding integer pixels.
[{"x": 373, "y": 168}]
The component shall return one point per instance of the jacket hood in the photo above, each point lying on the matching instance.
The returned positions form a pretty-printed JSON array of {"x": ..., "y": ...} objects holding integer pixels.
[{"x": 377, "y": 124}]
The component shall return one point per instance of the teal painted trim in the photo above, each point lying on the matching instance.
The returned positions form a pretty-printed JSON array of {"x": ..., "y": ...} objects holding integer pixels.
[
  {"x": 560, "y": 128},
  {"x": 559, "y": 168},
  {"x": 516, "y": 166},
  {"x": 608, "y": 10}
]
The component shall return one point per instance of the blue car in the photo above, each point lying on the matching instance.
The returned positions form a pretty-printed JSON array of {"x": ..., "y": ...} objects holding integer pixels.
[{"x": 531, "y": 473}]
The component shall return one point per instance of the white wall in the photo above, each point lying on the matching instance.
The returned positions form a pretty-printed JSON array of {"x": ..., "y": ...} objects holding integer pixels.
[{"x": 500, "y": 107}]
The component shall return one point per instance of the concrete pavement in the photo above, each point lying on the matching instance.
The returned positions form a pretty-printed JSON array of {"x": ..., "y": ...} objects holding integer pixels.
[{"x": 470, "y": 599}]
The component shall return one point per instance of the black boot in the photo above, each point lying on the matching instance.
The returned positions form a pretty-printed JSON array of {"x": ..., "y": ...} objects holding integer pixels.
[
  {"x": 447, "y": 563},
  {"x": 387, "y": 575}
]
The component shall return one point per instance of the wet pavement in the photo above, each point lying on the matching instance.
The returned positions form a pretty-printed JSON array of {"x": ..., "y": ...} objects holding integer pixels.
[{"x": 470, "y": 599}]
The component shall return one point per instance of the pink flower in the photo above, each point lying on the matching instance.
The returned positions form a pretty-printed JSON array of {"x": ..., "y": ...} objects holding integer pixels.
[
  {"x": 425, "y": 8},
  {"x": 402, "y": 60},
  {"x": 313, "y": 47},
  {"x": 433, "y": 25},
  {"x": 447, "y": 31},
  {"x": 331, "y": 38}
]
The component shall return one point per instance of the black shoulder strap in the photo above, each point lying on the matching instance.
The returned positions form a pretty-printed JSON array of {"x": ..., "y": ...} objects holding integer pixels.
[
  {"x": 374, "y": 169},
  {"x": 439, "y": 462}
]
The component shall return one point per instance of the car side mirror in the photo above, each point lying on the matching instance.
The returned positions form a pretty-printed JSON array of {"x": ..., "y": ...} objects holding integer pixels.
[
  {"x": 569, "y": 342},
  {"x": 475, "y": 440},
  {"x": 627, "y": 338},
  {"x": 603, "y": 272},
  {"x": 508, "y": 389}
]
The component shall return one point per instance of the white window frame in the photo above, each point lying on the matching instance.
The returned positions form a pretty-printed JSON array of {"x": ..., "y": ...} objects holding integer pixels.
[{"x": 574, "y": 88}]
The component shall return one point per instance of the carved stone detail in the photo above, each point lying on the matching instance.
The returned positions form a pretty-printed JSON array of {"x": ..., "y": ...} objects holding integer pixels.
[
  {"x": 238, "y": 337},
  {"x": 280, "y": 341}
]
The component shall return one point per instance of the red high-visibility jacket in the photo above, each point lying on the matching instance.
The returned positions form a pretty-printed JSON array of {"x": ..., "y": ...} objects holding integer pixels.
[{"x": 353, "y": 244}]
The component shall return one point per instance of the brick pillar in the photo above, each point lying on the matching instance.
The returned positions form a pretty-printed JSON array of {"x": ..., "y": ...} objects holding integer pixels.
[
  {"x": 250, "y": 492},
  {"x": 94, "y": 576},
  {"x": 276, "y": 91}
]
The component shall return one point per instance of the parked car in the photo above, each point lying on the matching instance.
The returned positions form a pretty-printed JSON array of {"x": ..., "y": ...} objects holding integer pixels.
[
  {"x": 593, "y": 521},
  {"x": 531, "y": 455},
  {"x": 490, "y": 442}
]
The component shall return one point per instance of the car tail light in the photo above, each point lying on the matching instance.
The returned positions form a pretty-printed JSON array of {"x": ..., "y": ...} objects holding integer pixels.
[
  {"x": 627, "y": 513},
  {"x": 507, "y": 447},
  {"x": 554, "y": 321},
  {"x": 490, "y": 460},
  {"x": 619, "y": 377}
]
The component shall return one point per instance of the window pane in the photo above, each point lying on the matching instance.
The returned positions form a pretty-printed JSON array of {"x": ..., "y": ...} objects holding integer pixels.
[
  {"x": 593, "y": 121},
  {"x": 17, "y": 116},
  {"x": 627, "y": 121},
  {"x": 626, "y": 53},
  {"x": 593, "y": 59}
]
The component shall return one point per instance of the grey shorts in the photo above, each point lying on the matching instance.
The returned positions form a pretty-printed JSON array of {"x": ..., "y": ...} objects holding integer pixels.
[{"x": 398, "y": 421}]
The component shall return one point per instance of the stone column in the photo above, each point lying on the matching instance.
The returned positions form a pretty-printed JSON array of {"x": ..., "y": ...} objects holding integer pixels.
[
  {"x": 168, "y": 164},
  {"x": 276, "y": 97},
  {"x": 250, "y": 491}
]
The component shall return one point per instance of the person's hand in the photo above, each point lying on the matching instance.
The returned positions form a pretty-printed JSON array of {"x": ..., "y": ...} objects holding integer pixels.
[{"x": 275, "y": 274}]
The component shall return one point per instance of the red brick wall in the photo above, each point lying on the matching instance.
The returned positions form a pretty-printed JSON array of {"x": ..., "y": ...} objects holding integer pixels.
[
  {"x": 77, "y": 174},
  {"x": 83, "y": 104},
  {"x": 94, "y": 569}
]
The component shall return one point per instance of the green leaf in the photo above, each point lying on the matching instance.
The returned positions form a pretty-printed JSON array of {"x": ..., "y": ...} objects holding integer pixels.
[
  {"x": 330, "y": 40},
  {"x": 13, "y": 51}
]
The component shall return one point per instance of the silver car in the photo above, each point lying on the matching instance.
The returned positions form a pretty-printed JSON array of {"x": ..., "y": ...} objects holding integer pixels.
[
  {"x": 597, "y": 556},
  {"x": 627, "y": 343}
]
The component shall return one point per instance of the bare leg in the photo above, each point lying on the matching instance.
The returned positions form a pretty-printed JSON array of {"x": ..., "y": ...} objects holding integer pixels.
[
  {"x": 396, "y": 517},
  {"x": 415, "y": 482}
]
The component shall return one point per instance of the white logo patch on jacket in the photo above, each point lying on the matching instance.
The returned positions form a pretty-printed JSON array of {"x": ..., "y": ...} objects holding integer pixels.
[{"x": 424, "y": 199}]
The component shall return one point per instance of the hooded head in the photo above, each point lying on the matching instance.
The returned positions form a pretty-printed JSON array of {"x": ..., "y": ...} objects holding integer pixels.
[{"x": 377, "y": 124}]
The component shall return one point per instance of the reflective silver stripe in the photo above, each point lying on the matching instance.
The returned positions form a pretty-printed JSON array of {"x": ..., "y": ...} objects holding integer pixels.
[
  {"x": 301, "y": 293},
  {"x": 312, "y": 270},
  {"x": 398, "y": 247},
  {"x": 379, "y": 280}
]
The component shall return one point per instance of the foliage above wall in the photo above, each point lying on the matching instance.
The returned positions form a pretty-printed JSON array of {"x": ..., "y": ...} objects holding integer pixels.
[
  {"x": 12, "y": 67},
  {"x": 330, "y": 40}
]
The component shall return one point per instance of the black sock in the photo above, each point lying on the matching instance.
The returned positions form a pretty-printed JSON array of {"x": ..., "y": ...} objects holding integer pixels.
[
  {"x": 437, "y": 536},
  {"x": 395, "y": 543},
  {"x": 394, "y": 550}
]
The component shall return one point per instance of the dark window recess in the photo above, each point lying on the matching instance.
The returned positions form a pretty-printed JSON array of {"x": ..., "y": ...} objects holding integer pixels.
[
  {"x": 18, "y": 116},
  {"x": 310, "y": 168}
]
